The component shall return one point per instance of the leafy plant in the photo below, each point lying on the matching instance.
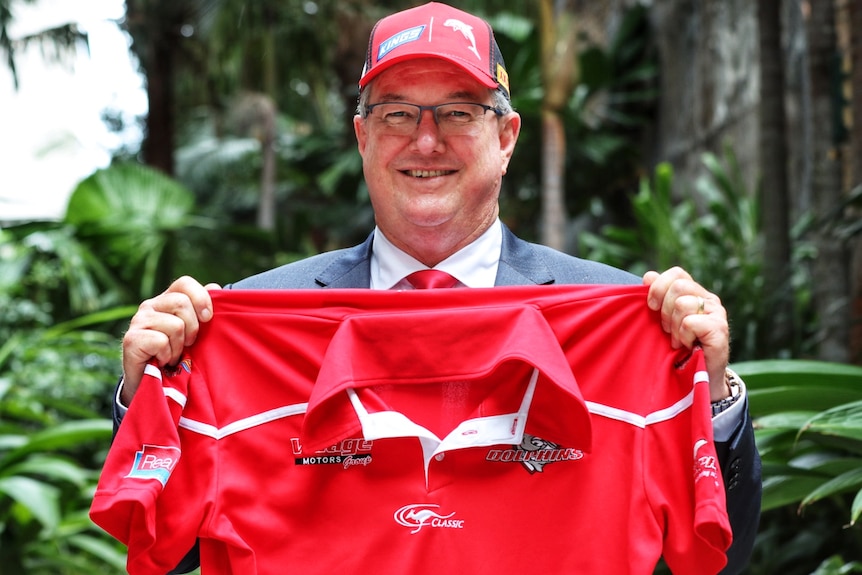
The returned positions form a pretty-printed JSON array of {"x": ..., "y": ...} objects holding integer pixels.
[
  {"x": 129, "y": 216},
  {"x": 713, "y": 231},
  {"x": 809, "y": 434},
  {"x": 44, "y": 496},
  {"x": 55, "y": 380},
  {"x": 51, "y": 448}
]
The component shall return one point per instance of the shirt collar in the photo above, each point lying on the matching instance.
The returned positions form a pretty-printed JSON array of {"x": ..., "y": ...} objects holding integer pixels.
[{"x": 474, "y": 265}]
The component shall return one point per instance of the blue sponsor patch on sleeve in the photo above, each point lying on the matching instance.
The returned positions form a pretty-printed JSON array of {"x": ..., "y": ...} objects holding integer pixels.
[{"x": 154, "y": 462}]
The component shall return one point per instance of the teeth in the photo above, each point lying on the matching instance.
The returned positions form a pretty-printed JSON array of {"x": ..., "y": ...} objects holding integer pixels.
[{"x": 427, "y": 173}]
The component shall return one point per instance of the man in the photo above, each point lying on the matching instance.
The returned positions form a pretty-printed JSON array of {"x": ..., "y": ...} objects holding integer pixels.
[{"x": 436, "y": 130}]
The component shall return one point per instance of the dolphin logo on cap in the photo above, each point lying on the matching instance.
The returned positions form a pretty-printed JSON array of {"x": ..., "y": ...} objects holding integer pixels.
[{"x": 466, "y": 30}]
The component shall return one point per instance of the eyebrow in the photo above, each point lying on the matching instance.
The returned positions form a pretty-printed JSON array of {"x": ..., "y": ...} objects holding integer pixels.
[{"x": 451, "y": 97}]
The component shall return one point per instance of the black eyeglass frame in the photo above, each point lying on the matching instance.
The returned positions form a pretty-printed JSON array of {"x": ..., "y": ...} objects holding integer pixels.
[{"x": 433, "y": 109}]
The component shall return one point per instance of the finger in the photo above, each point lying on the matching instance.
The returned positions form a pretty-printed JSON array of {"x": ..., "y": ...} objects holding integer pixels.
[
  {"x": 173, "y": 314},
  {"x": 141, "y": 346},
  {"x": 650, "y": 277},
  {"x": 680, "y": 298},
  {"x": 162, "y": 327},
  {"x": 711, "y": 332},
  {"x": 660, "y": 285},
  {"x": 197, "y": 294},
  {"x": 689, "y": 319}
]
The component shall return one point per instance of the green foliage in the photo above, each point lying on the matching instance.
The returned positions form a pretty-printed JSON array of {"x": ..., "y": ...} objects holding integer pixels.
[
  {"x": 613, "y": 101},
  {"x": 611, "y": 104},
  {"x": 49, "y": 455},
  {"x": 808, "y": 426},
  {"x": 321, "y": 202},
  {"x": 44, "y": 494},
  {"x": 57, "y": 368},
  {"x": 713, "y": 232},
  {"x": 129, "y": 215},
  {"x": 836, "y": 566},
  {"x": 51, "y": 274}
]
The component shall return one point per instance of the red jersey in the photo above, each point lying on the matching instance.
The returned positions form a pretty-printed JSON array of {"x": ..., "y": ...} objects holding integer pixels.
[{"x": 535, "y": 429}]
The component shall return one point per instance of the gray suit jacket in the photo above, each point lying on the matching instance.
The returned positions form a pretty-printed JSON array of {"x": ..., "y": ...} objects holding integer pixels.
[
  {"x": 524, "y": 263},
  {"x": 521, "y": 263}
]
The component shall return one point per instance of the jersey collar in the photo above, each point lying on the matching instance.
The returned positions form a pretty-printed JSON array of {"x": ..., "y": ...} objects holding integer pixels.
[{"x": 373, "y": 350}]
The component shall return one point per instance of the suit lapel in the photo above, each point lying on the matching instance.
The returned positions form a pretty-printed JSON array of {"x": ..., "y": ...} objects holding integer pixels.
[
  {"x": 351, "y": 269},
  {"x": 520, "y": 264}
]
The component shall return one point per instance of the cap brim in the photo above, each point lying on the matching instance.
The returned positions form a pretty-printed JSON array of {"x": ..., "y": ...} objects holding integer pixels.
[{"x": 472, "y": 71}]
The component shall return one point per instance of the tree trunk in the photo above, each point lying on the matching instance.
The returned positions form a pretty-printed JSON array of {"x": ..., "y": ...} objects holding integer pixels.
[
  {"x": 155, "y": 36},
  {"x": 158, "y": 147},
  {"x": 830, "y": 270},
  {"x": 559, "y": 70},
  {"x": 266, "y": 207},
  {"x": 775, "y": 193},
  {"x": 855, "y": 19},
  {"x": 553, "y": 180}
]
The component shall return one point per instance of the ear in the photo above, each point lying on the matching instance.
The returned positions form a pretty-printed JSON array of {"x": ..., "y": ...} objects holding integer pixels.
[
  {"x": 361, "y": 131},
  {"x": 509, "y": 130}
]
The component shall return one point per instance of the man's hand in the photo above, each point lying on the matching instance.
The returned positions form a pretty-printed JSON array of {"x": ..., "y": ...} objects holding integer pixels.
[
  {"x": 690, "y": 314},
  {"x": 162, "y": 327}
]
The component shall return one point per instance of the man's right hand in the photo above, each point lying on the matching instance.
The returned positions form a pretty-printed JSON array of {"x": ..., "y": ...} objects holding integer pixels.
[{"x": 162, "y": 328}]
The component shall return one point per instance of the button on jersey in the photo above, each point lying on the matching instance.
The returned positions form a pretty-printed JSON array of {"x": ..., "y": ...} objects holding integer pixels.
[{"x": 533, "y": 429}]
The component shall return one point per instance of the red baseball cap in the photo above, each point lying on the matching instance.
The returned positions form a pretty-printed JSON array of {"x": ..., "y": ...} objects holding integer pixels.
[{"x": 436, "y": 30}]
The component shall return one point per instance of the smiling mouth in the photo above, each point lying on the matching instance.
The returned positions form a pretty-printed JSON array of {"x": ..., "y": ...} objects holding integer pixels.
[{"x": 427, "y": 173}]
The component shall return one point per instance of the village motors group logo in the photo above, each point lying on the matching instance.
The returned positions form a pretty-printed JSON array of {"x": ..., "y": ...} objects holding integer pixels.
[{"x": 419, "y": 515}]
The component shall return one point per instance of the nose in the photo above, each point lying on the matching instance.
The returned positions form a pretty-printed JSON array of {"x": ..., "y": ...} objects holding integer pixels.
[{"x": 427, "y": 138}]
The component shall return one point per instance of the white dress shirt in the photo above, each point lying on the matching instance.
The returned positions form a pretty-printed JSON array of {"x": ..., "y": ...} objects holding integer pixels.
[{"x": 474, "y": 265}]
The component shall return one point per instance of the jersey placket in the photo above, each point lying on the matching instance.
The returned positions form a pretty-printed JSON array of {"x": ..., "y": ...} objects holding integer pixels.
[{"x": 503, "y": 429}]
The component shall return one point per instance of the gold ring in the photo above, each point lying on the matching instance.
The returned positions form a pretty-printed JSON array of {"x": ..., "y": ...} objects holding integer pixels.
[{"x": 700, "y": 304}]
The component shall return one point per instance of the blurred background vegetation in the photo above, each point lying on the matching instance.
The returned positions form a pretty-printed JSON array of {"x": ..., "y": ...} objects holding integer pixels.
[{"x": 719, "y": 135}]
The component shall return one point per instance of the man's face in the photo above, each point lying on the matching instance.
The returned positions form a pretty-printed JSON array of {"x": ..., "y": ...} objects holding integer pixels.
[{"x": 427, "y": 185}]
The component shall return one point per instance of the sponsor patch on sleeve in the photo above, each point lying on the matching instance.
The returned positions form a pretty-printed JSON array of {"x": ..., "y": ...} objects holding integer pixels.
[{"x": 154, "y": 462}]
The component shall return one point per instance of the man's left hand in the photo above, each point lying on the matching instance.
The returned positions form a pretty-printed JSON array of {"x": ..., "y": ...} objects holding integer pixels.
[{"x": 692, "y": 314}]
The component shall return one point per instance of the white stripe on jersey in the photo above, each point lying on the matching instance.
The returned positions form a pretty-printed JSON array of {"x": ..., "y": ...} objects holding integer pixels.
[
  {"x": 153, "y": 371},
  {"x": 242, "y": 424},
  {"x": 176, "y": 395},
  {"x": 651, "y": 418}
]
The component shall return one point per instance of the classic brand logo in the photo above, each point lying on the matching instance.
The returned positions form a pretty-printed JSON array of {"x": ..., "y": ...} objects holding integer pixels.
[
  {"x": 419, "y": 515},
  {"x": 155, "y": 462}
]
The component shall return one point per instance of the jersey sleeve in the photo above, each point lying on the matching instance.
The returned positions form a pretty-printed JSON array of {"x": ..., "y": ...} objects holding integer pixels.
[
  {"x": 144, "y": 475},
  {"x": 691, "y": 504}
]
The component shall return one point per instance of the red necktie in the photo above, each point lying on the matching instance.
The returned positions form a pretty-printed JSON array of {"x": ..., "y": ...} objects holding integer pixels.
[{"x": 431, "y": 279}]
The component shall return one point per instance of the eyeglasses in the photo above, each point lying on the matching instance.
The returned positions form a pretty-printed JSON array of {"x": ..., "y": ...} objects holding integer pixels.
[{"x": 452, "y": 118}]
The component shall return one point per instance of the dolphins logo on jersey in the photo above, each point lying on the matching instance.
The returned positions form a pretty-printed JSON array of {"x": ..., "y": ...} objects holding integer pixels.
[
  {"x": 531, "y": 443},
  {"x": 534, "y": 453},
  {"x": 466, "y": 30}
]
